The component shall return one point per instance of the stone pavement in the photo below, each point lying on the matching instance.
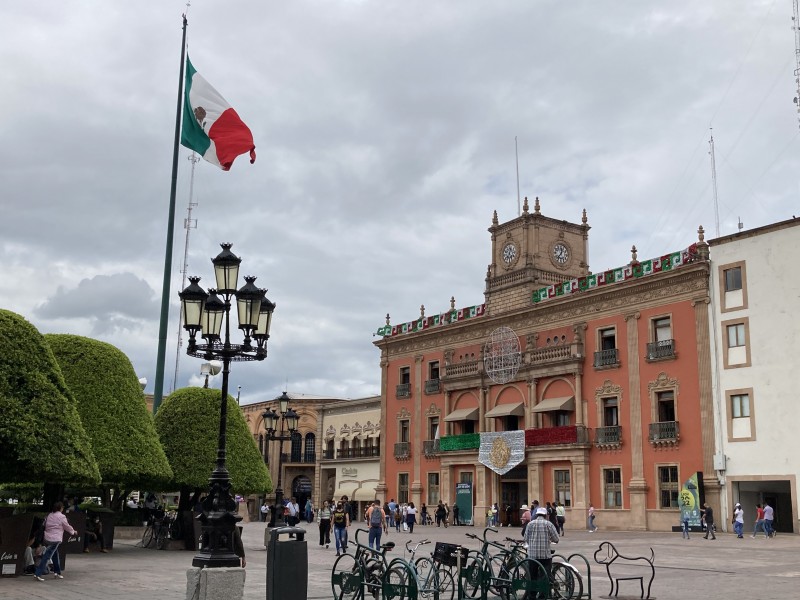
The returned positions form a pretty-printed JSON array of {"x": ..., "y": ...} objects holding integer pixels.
[{"x": 728, "y": 568}]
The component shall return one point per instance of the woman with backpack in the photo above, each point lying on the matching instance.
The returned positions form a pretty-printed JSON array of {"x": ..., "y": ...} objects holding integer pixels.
[
  {"x": 376, "y": 519},
  {"x": 341, "y": 520}
]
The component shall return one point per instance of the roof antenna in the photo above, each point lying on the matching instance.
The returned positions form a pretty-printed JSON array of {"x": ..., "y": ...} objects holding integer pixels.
[
  {"x": 741, "y": 225},
  {"x": 516, "y": 153},
  {"x": 714, "y": 179}
]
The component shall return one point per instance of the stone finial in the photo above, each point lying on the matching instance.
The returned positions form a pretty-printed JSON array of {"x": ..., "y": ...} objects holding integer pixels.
[
  {"x": 701, "y": 234},
  {"x": 494, "y": 218},
  {"x": 702, "y": 245},
  {"x": 452, "y": 302},
  {"x": 634, "y": 260},
  {"x": 584, "y": 220},
  {"x": 525, "y": 205},
  {"x": 536, "y": 207},
  {"x": 488, "y": 271},
  {"x": 421, "y": 310},
  {"x": 387, "y": 318}
]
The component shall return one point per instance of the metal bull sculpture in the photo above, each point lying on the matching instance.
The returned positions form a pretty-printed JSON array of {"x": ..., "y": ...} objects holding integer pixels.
[{"x": 616, "y": 566}]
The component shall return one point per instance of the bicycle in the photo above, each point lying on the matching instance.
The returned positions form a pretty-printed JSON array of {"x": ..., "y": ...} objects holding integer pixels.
[
  {"x": 365, "y": 569},
  {"x": 161, "y": 528},
  {"x": 433, "y": 572},
  {"x": 493, "y": 569}
]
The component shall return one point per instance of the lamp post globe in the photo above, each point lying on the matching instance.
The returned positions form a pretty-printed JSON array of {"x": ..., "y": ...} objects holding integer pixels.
[{"x": 289, "y": 420}]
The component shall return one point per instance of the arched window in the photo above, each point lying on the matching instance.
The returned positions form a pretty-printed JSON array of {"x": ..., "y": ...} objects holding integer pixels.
[
  {"x": 310, "y": 454},
  {"x": 297, "y": 447}
]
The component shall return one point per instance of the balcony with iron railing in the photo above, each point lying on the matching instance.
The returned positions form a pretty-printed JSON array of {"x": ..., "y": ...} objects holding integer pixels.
[
  {"x": 606, "y": 359},
  {"x": 308, "y": 459},
  {"x": 365, "y": 452},
  {"x": 433, "y": 386},
  {"x": 328, "y": 454},
  {"x": 402, "y": 450},
  {"x": 403, "y": 390},
  {"x": 431, "y": 447},
  {"x": 664, "y": 433},
  {"x": 568, "y": 435},
  {"x": 662, "y": 350},
  {"x": 608, "y": 437}
]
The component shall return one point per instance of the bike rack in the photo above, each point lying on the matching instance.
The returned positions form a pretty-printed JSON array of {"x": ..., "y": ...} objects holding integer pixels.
[
  {"x": 587, "y": 592},
  {"x": 612, "y": 555},
  {"x": 406, "y": 588}
]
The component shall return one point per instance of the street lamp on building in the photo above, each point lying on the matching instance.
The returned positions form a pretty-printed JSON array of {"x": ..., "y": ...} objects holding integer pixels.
[
  {"x": 288, "y": 418},
  {"x": 205, "y": 313}
]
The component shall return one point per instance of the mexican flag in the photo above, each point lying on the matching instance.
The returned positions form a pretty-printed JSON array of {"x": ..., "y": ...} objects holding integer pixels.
[{"x": 210, "y": 126}]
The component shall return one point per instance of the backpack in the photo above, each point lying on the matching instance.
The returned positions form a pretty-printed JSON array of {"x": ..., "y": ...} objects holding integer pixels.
[
  {"x": 338, "y": 518},
  {"x": 375, "y": 517}
]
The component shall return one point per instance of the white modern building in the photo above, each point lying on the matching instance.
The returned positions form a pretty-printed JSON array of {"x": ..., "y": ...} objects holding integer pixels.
[{"x": 755, "y": 341}]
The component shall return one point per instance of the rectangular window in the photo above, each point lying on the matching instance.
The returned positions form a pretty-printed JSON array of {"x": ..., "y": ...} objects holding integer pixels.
[
  {"x": 465, "y": 477},
  {"x": 510, "y": 423},
  {"x": 740, "y": 406},
  {"x": 668, "y": 486},
  {"x": 405, "y": 375},
  {"x": 733, "y": 279},
  {"x": 662, "y": 329},
  {"x": 608, "y": 339},
  {"x": 666, "y": 406},
  {"x": 433, "y": 369},
  {"x": 612, "y": 488},
  {"x": 562, "y": 419},
  {"x": 610, "y": 412},
  {"x": 736, "y": 335},
  {"x": 433, "y": 427},
  {"x": 563, "y": 490},
  {"x": 402, "y": 488},
  {"x": 433, "y": 489},
  {"x": 405, "y": 426}
]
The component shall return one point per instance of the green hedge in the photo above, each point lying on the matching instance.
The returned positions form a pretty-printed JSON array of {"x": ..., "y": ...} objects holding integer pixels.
[
  {"x": 188, "y": 424},
  {"x": 41, "y": 435},
  {"x": 113, "y": 410},
  {"x": 465, "y": 441}
]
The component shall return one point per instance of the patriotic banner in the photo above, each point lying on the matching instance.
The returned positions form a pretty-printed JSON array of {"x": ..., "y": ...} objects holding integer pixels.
[
  {"x": 445, "y": 318},
  {"x": 502, "y": 451},
  {"x": 626, "y": 273}
]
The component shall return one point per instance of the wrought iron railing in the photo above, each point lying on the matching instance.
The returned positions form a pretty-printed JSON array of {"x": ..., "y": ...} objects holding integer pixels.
[
  {"x": 431, "y": 447},
  {"x": 432, "y": 386},
  {"x": 358, "y": 452},
  {"x": 662, "y": 349},
  {"x": 328, "y": 454},
  {"x": 606, "y": 358},
  {"x": 287, "y": 457},
  {"x": 608, "y": 436},
  {"x": 402, "y": 449},
  {"x": 664, "y": 432},
  {"x": 404, "y": 390}
]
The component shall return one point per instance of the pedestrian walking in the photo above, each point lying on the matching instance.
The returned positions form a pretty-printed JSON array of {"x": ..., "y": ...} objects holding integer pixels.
[
  {"x": 341, "y": 521},
  {"x": 738, "y": 520},
  {"x": 759, "y": 521},
  {"x": 423, "y": 514},
  {"x": 440, "y": 513},
  {"x": 769, "y": 516},
  {"x": 398, "y": 517},
  {"x": 392, "y": 507},
  {"x": 456, "y": 511},
  {"x": 495, "y": 514},
  {"x": 592, "y": 526},
  {"x": 708, "y": 515},
  {"x": 324, "y": 521},
  {"x": 561, "y": 518},
  {"x": 411, "y": 516},
  {"x": 55, "y": 524},
  {"x": 376, "y": 519},
  {"x": 539, "y": 534},
  {"x": 309, "y": 510},
  {"x": 685, "y": 525},
  {"x": 264, "y": 512}
]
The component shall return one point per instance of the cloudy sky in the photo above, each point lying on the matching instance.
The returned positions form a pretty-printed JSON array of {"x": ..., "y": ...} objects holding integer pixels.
[{"x": 385, "y": 137}]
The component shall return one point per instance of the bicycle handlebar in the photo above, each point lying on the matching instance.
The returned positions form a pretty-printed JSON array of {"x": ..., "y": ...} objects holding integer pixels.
[{"x": 420, "y": 543}]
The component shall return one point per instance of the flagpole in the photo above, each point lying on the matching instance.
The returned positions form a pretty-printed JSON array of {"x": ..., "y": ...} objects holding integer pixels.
[{"x": 162, "y": 329}]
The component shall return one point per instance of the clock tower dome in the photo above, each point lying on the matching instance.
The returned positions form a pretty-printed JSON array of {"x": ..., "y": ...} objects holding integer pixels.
[{"x": 530, "y": 252}]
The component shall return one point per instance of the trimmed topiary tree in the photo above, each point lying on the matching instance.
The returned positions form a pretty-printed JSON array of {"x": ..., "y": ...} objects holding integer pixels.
[
  {"x": 188, "y": 424},
  {"x": 41, "y": 435},
  {"x": 113, "y": 410}
]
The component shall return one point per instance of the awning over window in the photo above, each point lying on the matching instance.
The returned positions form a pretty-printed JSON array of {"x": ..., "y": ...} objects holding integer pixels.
[
  {"x": 514, "y": 409},
  {"x": 364, "y": 494},
  {"x": 463, "y": 414},
  {"x": 344, "y": 491},
  {"x": 567, "y": 403}
]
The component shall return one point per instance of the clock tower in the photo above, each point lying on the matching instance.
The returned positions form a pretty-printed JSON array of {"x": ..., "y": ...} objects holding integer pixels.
[{"x": 530, "y": 252}]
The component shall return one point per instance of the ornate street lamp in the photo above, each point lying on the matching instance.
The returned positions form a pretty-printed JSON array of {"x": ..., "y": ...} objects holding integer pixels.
[
  {"x": 288, "y": 418},
  {"x": 205, "y": 313}
]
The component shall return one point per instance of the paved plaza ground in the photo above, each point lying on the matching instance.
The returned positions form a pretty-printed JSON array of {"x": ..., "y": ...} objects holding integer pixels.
[{"x": 728, "y": 568}]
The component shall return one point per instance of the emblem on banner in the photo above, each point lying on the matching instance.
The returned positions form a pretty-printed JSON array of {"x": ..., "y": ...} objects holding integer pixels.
[{"x": 502, "y": 451}]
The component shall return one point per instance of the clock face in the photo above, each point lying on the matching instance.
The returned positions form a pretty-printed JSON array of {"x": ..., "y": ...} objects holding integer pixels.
[
  {"x": 560, "y": 253},
  {"x": 509, "y": 253}
]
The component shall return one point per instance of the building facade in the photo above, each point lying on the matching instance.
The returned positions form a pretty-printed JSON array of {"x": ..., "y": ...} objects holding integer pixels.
[
  {"x": 587, "y": 389},
  {"x": 756, "y": 334}
]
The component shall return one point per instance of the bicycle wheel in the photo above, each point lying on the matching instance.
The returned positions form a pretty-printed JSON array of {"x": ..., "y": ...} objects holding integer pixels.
[
  {"x": 473, "y": 575},
  {"x": 147, "y": 537},
  {"x": 346, "y": 578},
  {"x": 566, "y": 583},
  {"x": 529, "y": 580},
  {"x": 398, "y": 584},
  {"x": 423, "y": 567},
  {"x": 500, "y": 576},
  {"x": 374, "y": 569},
  {"x": 444, "y": 584},
  {"x": 161, "y": 538}
]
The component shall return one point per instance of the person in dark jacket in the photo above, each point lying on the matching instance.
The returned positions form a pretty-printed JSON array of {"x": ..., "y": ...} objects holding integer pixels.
[{"x": 708, "y": 517}]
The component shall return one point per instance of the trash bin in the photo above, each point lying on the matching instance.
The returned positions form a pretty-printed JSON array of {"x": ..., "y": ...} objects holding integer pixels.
[{"x": 287, "y": 564}]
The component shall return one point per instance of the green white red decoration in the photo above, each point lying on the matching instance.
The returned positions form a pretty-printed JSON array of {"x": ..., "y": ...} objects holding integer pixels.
[
  {"x": 445, "y": 318},
  {"x": 626, "y": 273}
]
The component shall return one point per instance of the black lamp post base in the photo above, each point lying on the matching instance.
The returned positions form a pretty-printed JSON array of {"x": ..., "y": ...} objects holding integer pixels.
[{"x": 217, "y": 547}]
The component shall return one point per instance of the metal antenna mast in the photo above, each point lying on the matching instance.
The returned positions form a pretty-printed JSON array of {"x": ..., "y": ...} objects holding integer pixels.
[
  {"x": 796, "y": 29},
  {"x": 714, "y": 179},
  {"x": 516, "y": 153},
  {"x": 188, "y": 224}
]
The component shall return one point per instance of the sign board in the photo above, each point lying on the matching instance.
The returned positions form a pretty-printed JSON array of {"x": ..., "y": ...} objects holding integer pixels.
[
  {"x": 690, "y": 500},
  {"x": 464, "y": 502},
  {"x": 349, "y": 472}
]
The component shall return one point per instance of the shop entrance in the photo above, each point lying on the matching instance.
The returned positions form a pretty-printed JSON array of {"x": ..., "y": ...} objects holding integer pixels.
[{"x": 512, "y": 494}]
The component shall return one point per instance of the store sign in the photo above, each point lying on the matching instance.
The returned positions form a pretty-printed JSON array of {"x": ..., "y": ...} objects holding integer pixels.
[{"x": 349, "y": 472}]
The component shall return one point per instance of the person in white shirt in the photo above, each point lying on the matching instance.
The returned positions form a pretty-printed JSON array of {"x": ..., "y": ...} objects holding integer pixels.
[{"x": 738, "y": 520}]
